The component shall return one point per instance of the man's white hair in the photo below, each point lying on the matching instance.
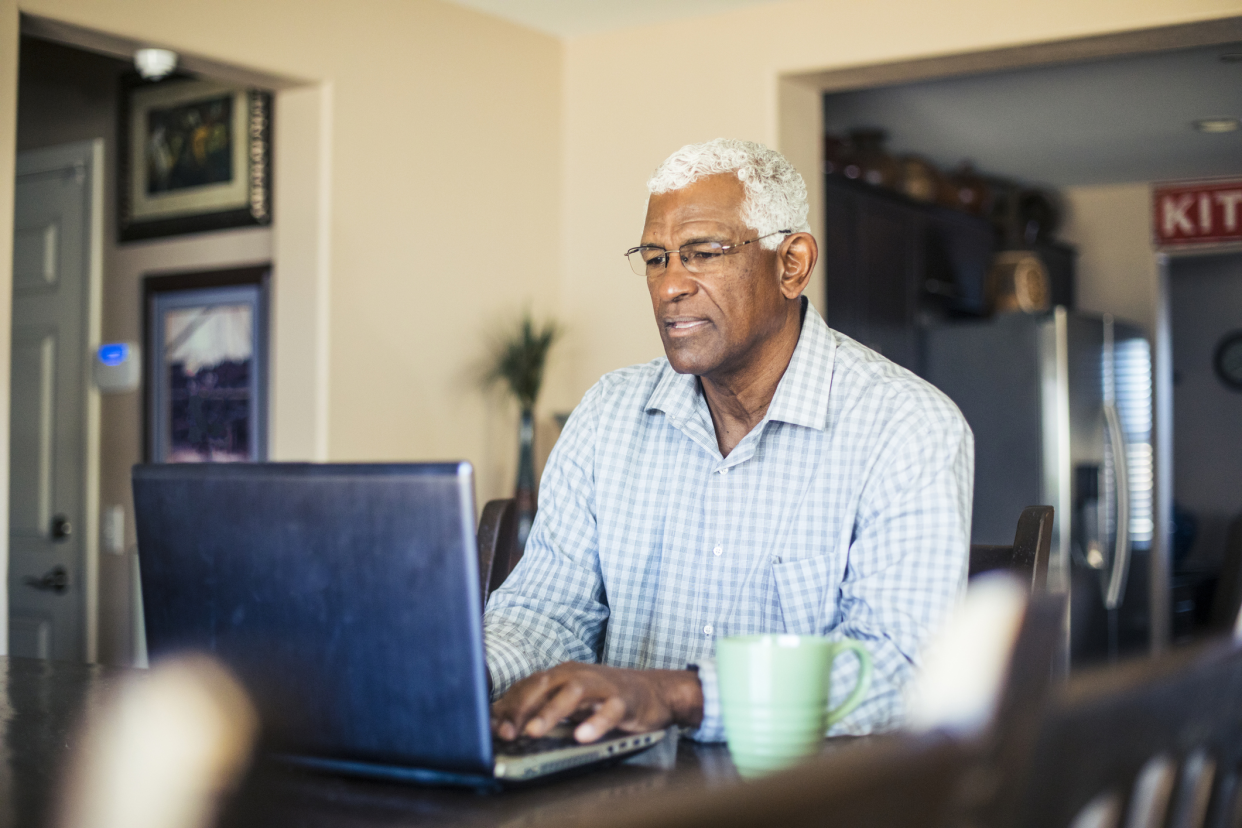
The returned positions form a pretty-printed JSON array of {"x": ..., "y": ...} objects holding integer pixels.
[{"x": 775, "y": 192}]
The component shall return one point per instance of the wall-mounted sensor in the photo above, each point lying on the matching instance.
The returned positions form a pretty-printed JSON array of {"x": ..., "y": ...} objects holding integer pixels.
[{"x": 117, "y": 367}]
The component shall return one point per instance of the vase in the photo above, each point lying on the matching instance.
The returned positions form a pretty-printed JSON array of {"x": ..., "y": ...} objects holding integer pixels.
[{"x": 525, "y": 495}]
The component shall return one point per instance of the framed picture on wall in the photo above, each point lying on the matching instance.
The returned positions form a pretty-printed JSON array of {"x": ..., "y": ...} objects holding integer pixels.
[
  {"x": 207, "y": 366},
  {"x": 192, "y": 156}
]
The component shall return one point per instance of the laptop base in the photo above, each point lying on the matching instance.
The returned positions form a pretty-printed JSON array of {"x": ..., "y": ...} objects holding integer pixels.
[{"x": 390, "y": 773}]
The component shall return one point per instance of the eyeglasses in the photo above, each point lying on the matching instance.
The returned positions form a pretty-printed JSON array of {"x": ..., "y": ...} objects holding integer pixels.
[{"x": 696, "y": 257}]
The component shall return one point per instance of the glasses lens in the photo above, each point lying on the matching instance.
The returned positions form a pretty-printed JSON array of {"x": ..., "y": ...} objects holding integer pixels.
[
  {"x": 646, "y": 260},
  {"x": 702, "y": 256}
]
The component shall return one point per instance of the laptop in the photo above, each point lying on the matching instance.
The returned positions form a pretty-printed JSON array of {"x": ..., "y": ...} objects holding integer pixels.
[{"x": 346, "y": 598}]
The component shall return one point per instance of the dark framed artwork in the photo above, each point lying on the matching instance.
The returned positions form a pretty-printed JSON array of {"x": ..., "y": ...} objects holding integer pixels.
[
  {"x": 192, "y": 156},
  {"x": 206, "y": 341}
]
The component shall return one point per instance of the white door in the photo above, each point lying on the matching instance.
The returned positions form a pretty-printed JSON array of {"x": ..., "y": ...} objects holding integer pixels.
[{"x": 55, "y": 263}]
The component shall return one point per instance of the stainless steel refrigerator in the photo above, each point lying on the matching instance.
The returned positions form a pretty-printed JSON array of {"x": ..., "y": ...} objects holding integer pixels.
[{"x": 1061, "y": 408}]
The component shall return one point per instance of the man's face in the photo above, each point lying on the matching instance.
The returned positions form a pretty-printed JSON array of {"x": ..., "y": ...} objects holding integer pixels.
[{"x": 712, "y": 323}]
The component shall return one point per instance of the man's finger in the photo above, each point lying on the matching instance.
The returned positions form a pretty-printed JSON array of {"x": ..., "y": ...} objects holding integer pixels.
[
  {"x": 560, "y": 706},
  {"x": 606, "y": 717},
  {"x": 522, "y": 701}
]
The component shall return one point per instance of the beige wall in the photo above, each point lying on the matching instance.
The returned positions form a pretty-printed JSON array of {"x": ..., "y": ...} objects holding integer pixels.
[{"x": 634, "y": 96}]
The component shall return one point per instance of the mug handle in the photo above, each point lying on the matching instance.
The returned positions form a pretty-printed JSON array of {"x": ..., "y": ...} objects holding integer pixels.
[{"x": 860, "y": 687}]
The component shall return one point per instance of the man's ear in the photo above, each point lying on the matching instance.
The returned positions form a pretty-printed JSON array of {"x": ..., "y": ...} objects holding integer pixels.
[{"x": 796, "y": 256}]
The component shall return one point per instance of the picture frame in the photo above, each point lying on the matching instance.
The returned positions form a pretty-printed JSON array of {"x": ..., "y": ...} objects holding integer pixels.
[
  {"x": 206, "y": 368},
  {"x": 192, "y": 156}
]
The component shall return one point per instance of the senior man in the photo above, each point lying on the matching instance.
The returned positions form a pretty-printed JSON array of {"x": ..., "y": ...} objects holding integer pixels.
[{"x": 767, "y": 475}]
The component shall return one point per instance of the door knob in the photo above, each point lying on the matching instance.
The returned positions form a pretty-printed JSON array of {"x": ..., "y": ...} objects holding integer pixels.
[
  {"x": 62, "y": 528},
  {"x": 55, "y": 580}
]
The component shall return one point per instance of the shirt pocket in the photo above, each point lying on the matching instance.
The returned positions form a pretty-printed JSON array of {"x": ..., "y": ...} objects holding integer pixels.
[{"x": 803, "y": 588}]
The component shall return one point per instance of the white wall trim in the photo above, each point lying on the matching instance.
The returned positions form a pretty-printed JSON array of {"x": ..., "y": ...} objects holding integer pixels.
[
  {"x": 10, "y": 40},
  {"x": 94, "y": 334},
  {"x": 301, "y": 273}
]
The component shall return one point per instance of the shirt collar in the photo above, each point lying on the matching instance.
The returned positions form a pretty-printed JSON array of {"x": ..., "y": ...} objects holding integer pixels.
[{"x": 801, "y": 396}]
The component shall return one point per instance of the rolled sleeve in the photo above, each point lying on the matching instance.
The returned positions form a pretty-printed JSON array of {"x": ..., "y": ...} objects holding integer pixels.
[
  {"x": 551, "y": 608},
  {"x": 907, "y": 564}
]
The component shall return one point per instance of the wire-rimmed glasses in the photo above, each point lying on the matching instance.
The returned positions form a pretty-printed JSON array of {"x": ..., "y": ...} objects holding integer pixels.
[{"x": 697, "y": 257}]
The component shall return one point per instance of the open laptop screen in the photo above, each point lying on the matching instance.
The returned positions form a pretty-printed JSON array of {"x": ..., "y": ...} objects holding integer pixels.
[{"x": 346, "y": 597}]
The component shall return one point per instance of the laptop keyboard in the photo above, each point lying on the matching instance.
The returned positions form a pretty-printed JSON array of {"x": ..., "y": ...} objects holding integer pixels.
[{"x": 561, "y": 736}]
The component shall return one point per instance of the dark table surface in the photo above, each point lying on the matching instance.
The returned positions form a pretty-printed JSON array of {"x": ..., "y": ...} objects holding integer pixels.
[{"x": 42, "y": 704}]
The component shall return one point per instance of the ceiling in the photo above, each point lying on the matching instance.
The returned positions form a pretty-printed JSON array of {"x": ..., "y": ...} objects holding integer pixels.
[
  {"x": 1125, "y": 119},
  {"x": 568, "y": 18}
]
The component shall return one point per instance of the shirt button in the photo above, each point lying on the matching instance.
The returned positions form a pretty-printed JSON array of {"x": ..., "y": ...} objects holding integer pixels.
[
  {"x": 708, "y": 630},
  {"x": 718, "y": 550},
  {"x": 725, "y": 470}
]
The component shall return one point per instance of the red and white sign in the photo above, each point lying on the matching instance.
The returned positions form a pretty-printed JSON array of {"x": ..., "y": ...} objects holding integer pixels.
[{"x": 1200, "y": 213}]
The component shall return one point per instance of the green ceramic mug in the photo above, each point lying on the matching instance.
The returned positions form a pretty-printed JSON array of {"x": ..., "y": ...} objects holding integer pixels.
[{"x": 774, "y": 692}]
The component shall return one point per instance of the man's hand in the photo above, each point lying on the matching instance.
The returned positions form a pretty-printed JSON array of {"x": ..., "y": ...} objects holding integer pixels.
[{"x": 609, "y": 697}]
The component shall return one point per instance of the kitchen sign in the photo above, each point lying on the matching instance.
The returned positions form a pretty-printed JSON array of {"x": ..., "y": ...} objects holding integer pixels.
[{"x": 1207, "y": 212}]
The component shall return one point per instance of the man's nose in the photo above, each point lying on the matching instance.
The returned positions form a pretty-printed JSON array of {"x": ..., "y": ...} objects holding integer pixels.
[{"x": 676, "y": 281}]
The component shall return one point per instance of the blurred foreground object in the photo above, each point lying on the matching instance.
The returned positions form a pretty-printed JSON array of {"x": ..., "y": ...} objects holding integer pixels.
[
  {"x": 965, "y": 667},
  {"x": 162, "y": 751}
]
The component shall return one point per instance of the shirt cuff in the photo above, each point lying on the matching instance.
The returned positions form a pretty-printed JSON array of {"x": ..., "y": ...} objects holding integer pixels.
[
  {"x": 506, "y": 664},
  {"x": 711, "y": 729}
]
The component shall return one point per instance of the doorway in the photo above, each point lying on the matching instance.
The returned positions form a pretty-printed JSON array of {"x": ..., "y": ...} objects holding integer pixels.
[
  {"x": 1205, "y": 325},
  {"x": 73, "y": 88},
  {"x": 1107, "y": 214},
  {"x": 71, "y": 94}
]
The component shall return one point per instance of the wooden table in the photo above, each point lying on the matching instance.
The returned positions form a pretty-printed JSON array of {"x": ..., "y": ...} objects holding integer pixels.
[{"x": 42, "y": 704}]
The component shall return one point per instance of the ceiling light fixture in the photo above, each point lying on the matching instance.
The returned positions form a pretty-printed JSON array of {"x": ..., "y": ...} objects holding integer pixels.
[
  {"x": 1214, "y": 125},
  {"x": 154, "y": 64}
]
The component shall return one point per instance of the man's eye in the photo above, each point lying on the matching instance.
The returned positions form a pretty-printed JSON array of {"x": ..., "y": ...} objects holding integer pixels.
[
  {"x": 653, "y": 257},
  {"x": 702, "y": 254}
]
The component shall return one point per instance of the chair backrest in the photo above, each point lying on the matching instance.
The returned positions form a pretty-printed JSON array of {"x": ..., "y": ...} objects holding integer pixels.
[
  {"x": 498, "y": 546},
  {"x": 1150, "y": 743},
  {"x": 1028, "y": 557}
]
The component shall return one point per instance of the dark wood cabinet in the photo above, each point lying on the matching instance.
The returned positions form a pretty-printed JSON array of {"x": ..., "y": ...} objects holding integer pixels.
[
  {"x": 894, "y": 265},
  {"x": 891, "y": 264}
]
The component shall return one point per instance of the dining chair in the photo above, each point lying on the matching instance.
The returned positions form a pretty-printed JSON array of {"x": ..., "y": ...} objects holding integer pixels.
[
  {"x": 1155, "y": 742},
  {"x": 1028, "y": 556},
  {"x": 497, "y": 541}
]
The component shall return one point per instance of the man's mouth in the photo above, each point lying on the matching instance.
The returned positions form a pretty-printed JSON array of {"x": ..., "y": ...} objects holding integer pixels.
[{"x": 684, "y": 324}]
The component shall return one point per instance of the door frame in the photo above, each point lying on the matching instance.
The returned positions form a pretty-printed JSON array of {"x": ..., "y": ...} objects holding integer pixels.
[
  {"x": 301, "y": 254},
  {"x": 89, "y": 153},
  {"x": 798, "y": 129}
]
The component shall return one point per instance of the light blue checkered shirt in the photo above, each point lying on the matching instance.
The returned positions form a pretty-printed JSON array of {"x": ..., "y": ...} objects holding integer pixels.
[{"x": 845, "y": 512}]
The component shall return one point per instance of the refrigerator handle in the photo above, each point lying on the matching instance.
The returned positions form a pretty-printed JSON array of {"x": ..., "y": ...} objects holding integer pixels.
[{"x": 1121, "y": 471}]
